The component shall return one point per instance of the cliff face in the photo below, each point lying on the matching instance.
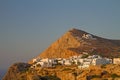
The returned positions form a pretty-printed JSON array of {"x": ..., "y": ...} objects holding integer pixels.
[
  {"x": 75, "y": 41},
  {"x": 60, "y": 48},
  {"x": 16, "y": 71}
]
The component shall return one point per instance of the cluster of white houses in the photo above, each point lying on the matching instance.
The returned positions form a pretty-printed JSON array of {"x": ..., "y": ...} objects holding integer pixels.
[{"x": 77, "y": 60}]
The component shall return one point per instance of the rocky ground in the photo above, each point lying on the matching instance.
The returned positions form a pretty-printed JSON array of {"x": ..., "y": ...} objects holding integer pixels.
[{"x": 22, "y": 71}]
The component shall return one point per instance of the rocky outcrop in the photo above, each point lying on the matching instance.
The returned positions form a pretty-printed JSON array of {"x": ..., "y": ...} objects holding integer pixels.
[
  {"x": 16, "y": 71},
  {"x": 75, "y": 41},
  {"x": 60, "y": 48}
]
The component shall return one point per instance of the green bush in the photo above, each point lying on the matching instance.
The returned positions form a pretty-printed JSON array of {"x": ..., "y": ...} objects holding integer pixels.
[
  {"x": 95, "y": 76},
  {"x": 115, "y": 76},
  {"x": 84, "y": 56}
]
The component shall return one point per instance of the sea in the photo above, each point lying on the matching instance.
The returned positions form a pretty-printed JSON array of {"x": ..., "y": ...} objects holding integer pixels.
[{"x": 2, "y": 73}]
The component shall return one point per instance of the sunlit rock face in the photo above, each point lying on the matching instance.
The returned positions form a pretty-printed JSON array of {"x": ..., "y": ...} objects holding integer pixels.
[
  {"x": 15, "y": 71},
  {"x": 75, "y": 42}
]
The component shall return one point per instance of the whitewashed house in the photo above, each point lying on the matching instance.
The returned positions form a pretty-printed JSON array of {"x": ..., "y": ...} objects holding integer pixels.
[
  {"x": 45, "y": 60},
  {"x": 67, "y": 62},
  {"x": 42, "y": 64},
  {"x": 84, "y": 65},
  {"x": 81, "y": 60},
  {"x": 93, "y": 60},
  {"x": 85, "y": 53},
  {"x": 75, "y": 57},
  {"x": 53, "y": 61},
  {"x": 110, "y": 61},
  {"x": 36, "y": 60},
  {"x": 75, "y": 61},
  {"x": 33, "y": 66},
  {"x": 87, "y": 60},
  {"x": 116, "y": 61},
  {"x": 49, "y": 62},
  {"x": 88, "y": 36},
  {"x": 96, "y": 56},
  {"x": 61, "y": 62}
]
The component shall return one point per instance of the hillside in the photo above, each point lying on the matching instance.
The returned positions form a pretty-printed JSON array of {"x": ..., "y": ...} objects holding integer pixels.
[
  {"x": 103, "y": 72},
  {"x": 75, "y": 41}
]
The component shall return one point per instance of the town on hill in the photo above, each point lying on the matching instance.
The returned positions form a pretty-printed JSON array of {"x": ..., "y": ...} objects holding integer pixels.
[
  {"x": 82, "y": 61},
  {"x": 77, "y": 55}
]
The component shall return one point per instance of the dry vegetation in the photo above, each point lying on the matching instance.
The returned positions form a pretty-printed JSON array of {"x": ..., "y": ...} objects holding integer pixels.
[{"x": 102, "y": 72}]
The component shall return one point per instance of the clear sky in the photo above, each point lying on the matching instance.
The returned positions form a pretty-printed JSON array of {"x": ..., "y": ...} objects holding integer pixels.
[{"x": 27, "y": 27}]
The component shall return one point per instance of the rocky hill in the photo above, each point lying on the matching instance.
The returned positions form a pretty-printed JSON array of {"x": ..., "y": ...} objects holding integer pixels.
[
  {"x": 16, "y": 71},
  {"x": 22, "y": 71},
  {"x": 75, "y": 42}
]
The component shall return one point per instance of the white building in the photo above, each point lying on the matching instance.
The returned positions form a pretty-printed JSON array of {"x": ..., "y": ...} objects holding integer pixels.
[
  {"x": 93, "y": 60},
  {"x": 116, "y": 61},
  {"x": 45, "y": 60},
  {"x": 67, "y": 62},
  {"x": 81, "y": 60},
  {"x": 36, "y": 60},
  {"x": 83, "y": 66},
  {"x": 75, "y": 61},
  {"x": 88, "y": 36},
  {"x": 40, "y": 63}
]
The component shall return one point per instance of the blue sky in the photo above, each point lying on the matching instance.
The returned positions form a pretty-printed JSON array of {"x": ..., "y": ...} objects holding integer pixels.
[{"x": 27, "y": 27}]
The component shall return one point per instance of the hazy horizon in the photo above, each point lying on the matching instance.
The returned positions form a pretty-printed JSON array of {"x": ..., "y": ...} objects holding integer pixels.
[{"x": 28, "y": 27}]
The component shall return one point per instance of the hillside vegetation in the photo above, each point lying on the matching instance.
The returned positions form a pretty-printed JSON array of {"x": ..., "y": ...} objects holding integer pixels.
[{"x": 22, "y": 71}]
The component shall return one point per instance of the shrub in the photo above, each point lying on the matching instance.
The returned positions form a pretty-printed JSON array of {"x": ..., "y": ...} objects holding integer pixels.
[
  {"x": 103, "y": 66},
  {"x": 95, "y": 76},
  {"x": 50, "y": 78},
  {"x": 115, "y": 76},
  {"x": 105, "y": 79},
  {"x": 84, "y": 56},
  {"x": 66, "y": 69}
]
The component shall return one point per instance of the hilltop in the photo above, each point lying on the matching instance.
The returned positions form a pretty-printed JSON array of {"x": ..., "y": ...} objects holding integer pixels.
[{"x": 75, "y": 42}]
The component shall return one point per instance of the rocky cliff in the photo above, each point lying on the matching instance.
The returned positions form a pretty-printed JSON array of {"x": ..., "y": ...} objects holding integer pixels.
[{"x": 16, "y": 71}]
